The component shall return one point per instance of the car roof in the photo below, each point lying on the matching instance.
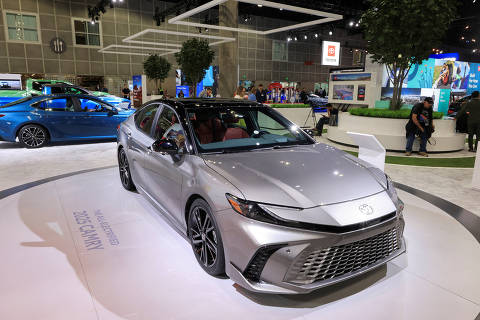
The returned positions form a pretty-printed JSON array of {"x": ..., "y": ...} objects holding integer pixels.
[{"x": 207, "y": 103}]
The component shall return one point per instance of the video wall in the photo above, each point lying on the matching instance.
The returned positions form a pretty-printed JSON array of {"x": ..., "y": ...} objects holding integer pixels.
[{"x": 441, "y": 79}]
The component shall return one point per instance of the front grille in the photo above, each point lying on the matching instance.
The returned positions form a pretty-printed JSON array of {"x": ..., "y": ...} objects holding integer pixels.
[{"x": 328, "y": 263}]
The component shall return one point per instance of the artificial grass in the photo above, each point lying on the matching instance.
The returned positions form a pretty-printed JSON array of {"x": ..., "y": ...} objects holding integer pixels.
[
  {"x": 382, "y": 113},
  {"x": 464, "y": 162},
  {"x": 290, "y": 105}
]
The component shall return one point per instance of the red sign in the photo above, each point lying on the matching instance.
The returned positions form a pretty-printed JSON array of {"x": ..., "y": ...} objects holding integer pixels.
[{"x": 331, "y": 51}]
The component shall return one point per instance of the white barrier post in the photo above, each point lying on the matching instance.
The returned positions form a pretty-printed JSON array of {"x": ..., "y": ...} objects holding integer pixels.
[
  {"x": 476, "y": 172},
  {"x": 369, "y": 149}
]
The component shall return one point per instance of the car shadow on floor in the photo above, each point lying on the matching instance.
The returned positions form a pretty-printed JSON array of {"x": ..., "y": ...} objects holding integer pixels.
[{"x": 16, "y": 145}]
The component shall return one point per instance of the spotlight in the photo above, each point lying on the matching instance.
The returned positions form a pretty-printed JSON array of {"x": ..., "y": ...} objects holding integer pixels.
[
  {"x": 462, "y": 38},
  {"x": 350, "y": 50},
  {"x": 356, "y": 25},
  {"x": 281, "y": 9},
  {"x": 473, "y": 40},
  {"x": 259, "y": 5},
  {"x": 92, "y": 22},
  {"x": 467, "y": 27},
  {"x": 350, "y": 23},
  {"x": 295, "y": 38},
  {"x": 305, "y": 37},
  {"x": 330, "y": 32},
  {"x": 474, "y": 50},
  {"x": 114, "y": 1},
  {"x": 316, "y": 35}
]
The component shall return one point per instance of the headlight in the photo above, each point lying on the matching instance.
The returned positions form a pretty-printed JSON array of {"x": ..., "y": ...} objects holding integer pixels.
[{"x": 251, "y": 210}]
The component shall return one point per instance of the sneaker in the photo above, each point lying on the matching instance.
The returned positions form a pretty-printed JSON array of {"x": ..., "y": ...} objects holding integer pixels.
[
  {"x": 423, "y": 154},
  {"x": 408, "y": 153}
]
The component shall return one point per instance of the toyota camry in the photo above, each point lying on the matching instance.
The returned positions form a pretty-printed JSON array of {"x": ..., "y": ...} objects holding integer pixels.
[{"x": 257, "y": 197}]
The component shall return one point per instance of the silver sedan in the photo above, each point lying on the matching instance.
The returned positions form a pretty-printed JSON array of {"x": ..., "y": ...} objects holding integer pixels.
[{"x": 259, "y": 200}]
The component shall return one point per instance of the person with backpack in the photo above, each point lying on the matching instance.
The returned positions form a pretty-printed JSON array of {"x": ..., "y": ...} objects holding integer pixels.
[
  {"x": 421, "y": 124},
  {"x": 472, "y": 109}
]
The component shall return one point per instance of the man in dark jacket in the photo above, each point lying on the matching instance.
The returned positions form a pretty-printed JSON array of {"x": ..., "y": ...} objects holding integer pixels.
[
  {"x": 261, "y": 94},
  {"x": 472, "y": 109},
  {"x": 420, "y": 123}
]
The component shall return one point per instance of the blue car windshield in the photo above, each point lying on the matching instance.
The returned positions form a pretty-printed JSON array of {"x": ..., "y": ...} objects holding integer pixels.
[{"x": 242, "y": 128}]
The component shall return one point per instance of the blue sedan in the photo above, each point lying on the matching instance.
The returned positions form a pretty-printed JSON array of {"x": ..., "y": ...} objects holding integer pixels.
[{"x": 37, "y": 120}]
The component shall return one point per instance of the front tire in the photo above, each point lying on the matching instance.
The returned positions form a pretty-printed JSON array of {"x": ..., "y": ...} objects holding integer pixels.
[
  {"x": 205, "y": 238},
  {"x": 33, "y": 136},
  {"x": 124, "y": 169}
]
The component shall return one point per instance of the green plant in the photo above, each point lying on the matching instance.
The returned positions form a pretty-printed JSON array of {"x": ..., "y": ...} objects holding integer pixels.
[
  {"x": 383, "y": 113},
  {"x": 194, "y": 58},
  {"x": 157, "y": 68},
  {"x": 287, "y": 105},
  {"x": 400, "y": 33}
]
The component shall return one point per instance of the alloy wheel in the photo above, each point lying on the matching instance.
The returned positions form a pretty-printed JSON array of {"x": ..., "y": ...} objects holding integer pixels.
[
  {"x": 33, "y": 136},
  {"x": 123, "y": 166},
  {"x": 203, "y": 237}
]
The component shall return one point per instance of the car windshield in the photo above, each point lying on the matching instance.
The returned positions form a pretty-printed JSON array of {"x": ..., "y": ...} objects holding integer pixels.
[{"x": 242, "y": 128}]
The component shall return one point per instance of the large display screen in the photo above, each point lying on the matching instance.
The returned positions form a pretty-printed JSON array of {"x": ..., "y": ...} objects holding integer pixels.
[
  {"x": 343, "y": 92},
  {"x": 351, "y": 77},
  {"x": 8, "y": 84}
]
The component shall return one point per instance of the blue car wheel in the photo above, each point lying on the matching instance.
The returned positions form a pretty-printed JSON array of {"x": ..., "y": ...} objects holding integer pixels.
[{"x": 33, "y": 136}]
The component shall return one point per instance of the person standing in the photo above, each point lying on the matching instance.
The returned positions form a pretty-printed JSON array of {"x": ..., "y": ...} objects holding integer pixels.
[
  {"x": 420, "y": 123},
  {"x": 252, "y": 96},
  {"x": 472, "y": 109},
  {"x": 261, "y": 94},
  {"x": 303, "y": 96},
  {"x": 126, "y": 91}
]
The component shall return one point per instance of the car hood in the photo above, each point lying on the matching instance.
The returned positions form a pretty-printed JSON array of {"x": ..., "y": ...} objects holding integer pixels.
[{"x": 301, "y": 176}]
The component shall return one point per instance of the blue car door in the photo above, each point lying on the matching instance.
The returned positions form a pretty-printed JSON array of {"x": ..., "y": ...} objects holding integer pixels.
[
  {"x": 64, "y": 118},
  {"x": 103, "y": 119}
]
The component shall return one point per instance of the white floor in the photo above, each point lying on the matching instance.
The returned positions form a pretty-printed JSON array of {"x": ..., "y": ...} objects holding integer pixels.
[{"x": 149, "y": 271}]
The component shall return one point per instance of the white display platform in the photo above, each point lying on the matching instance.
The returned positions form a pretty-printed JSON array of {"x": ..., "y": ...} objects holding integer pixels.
[
  {"x": 369, "y": 149},
  {"x": 391, "y": 133},
  {"x": 84, "y": 248}
]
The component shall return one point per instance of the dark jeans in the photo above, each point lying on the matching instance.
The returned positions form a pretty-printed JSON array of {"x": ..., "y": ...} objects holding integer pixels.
[
  {"x": 320, "y": 124},
  {"x": 411, "y": 139},
  {"x": 473, "y": 129}
]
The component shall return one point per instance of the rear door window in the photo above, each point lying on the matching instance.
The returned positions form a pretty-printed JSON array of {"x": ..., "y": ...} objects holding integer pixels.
[{"x": 144, "y": 118}]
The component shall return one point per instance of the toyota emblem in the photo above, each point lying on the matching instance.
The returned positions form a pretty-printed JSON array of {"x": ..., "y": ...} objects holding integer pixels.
[{"x": 366, "y": 209}]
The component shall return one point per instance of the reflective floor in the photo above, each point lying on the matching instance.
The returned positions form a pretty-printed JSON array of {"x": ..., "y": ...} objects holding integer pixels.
[{"x": 83, "y": 248}]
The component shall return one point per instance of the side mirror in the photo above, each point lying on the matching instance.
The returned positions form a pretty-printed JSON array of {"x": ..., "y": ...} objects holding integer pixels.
[{"x": 165, "y": 146}]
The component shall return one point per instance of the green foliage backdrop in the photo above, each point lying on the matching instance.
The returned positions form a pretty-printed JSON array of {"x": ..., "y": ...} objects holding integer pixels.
[
  {"x": 404, "y": 32},
  {"x": 194, "y": 58},
  {"x": 157, "y": 68}
]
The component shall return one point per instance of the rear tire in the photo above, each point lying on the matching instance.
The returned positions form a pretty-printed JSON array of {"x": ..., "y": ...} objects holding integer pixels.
[
  {"x": 124, "y": 169},
  {"x": 33, "y": 136},
  {"x": 205, "y": 238}
]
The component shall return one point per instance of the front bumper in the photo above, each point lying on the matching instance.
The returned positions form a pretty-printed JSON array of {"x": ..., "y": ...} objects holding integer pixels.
[{"x": 267, "y": 258}]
